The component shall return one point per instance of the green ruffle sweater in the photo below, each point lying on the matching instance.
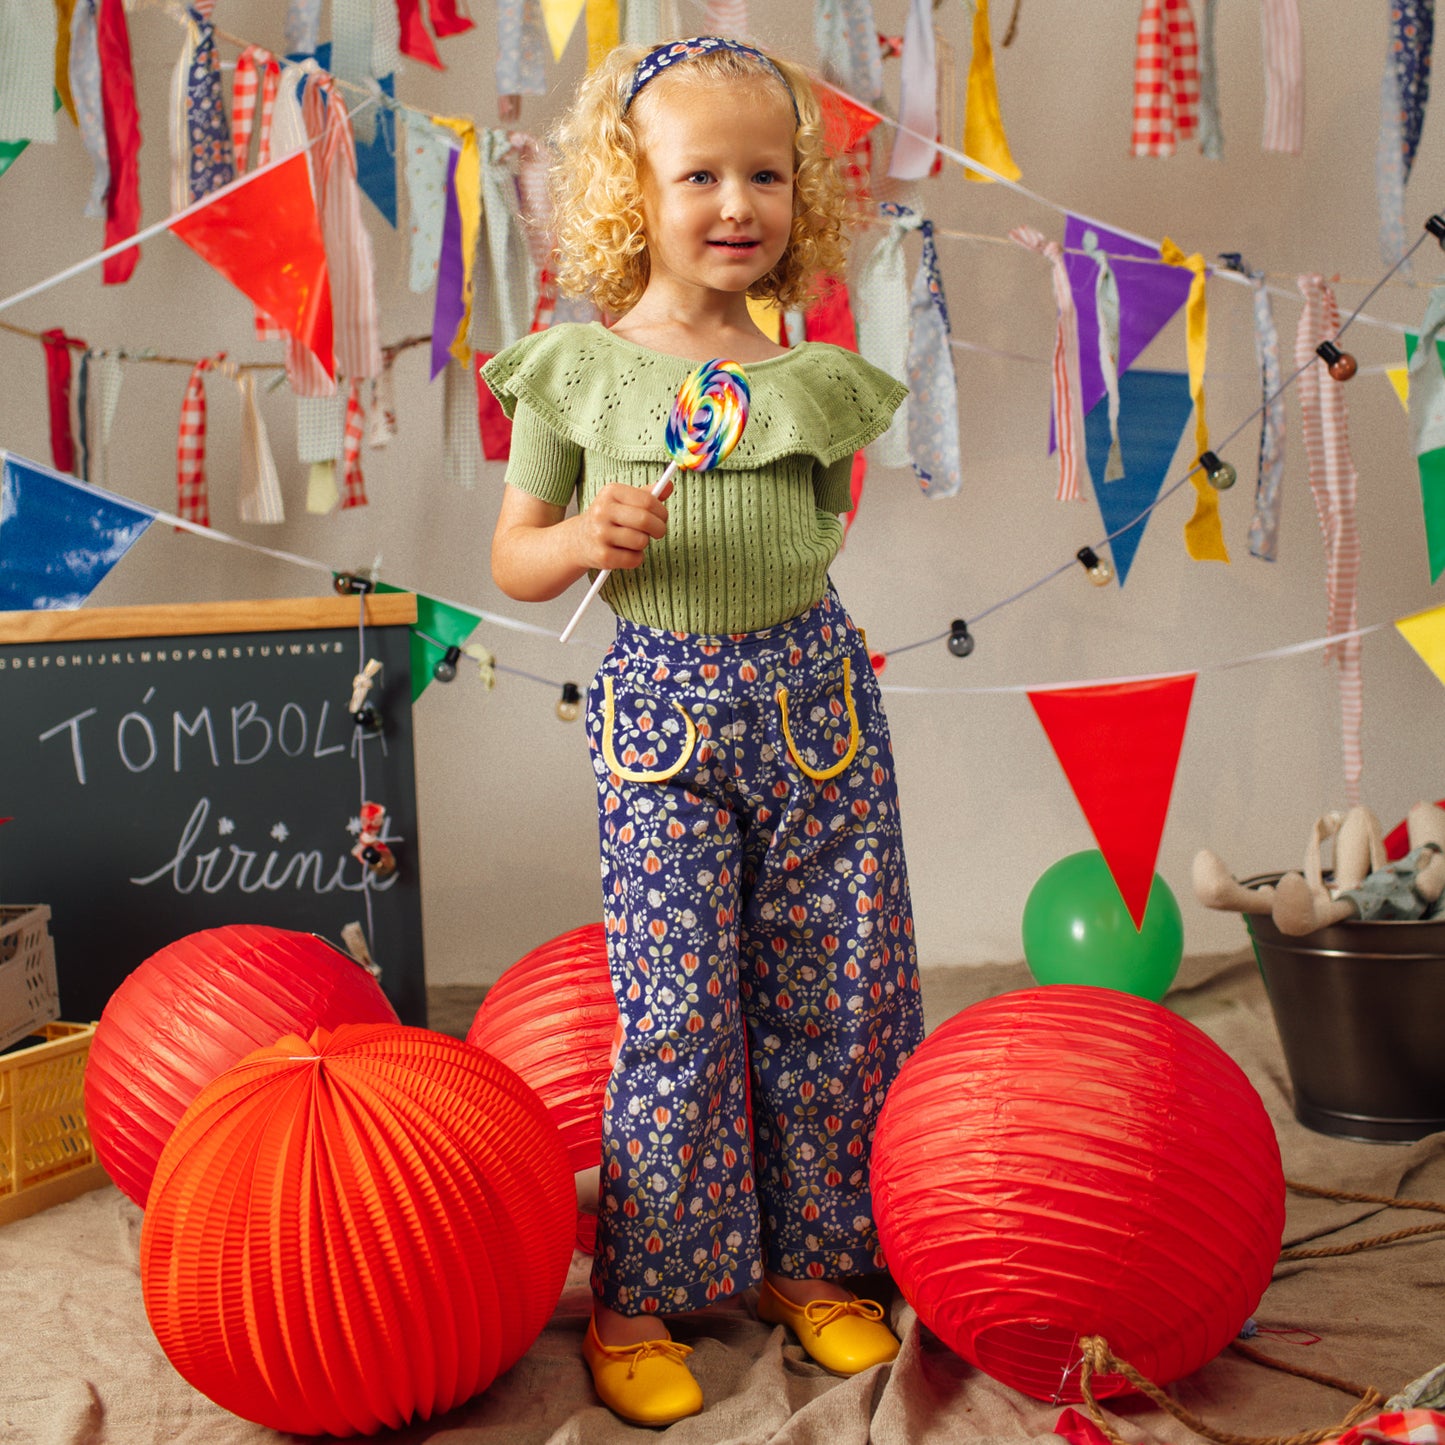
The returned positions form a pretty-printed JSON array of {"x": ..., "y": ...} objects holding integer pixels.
[{"x": 748, "y": 543}]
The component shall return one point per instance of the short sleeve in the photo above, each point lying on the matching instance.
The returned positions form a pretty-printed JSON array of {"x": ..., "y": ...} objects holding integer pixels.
[
  {"x": 542, "y": 463},
  {"x": 833, "y": 486}
]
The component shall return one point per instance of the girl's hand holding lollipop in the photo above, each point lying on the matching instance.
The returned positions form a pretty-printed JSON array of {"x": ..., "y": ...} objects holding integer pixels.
[{"x": 706, "y": 422}]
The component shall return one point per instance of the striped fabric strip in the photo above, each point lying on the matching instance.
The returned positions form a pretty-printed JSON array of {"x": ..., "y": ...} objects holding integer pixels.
[
  {"x": 1284, "y": 76},
  {"x": 1068, "y": 410},
  {"x": 348, "y": 245},
  {"x": 1335, "y": 485},
  {"x": 726, "y": 17},
  {"x": 1166, "y": 78},
  {"x": 192, "y": 502},
  {"x": 89, "y": 108},
  {"x": 260, "y": 493},
  {"x": 353, "y": 484},
  {"x": 535, "y": 199},
  {"x": 176, "y": 121}
]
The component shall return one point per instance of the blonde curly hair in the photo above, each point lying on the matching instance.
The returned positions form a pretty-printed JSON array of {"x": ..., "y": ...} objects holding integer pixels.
[{"x": 596, "y": 184}]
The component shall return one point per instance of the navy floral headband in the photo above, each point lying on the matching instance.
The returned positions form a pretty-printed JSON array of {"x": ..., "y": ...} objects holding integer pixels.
[{"x": 674, "y": 52}]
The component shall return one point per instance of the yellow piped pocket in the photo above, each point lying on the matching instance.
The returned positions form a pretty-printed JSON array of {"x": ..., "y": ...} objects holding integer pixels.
[
  {"x": 821, "y": 775},
  {"x": 637, "y": 775}
]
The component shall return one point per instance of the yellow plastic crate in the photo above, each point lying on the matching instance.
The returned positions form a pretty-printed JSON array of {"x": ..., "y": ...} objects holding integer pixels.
[
  {"x": 46, "y": 1155},
  {"x": 29, "y": 996}
]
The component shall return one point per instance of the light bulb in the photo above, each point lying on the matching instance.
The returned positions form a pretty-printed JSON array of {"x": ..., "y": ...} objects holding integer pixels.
[
  {"x": 569, "y": 705},
  {"x": 446, "y": 667},
  {"x": 1222, "y": 475},
  {"x": 1099, "y": 572},
  {"x": 960, "y": 640},
  {"x": 1342, "y": 366}
]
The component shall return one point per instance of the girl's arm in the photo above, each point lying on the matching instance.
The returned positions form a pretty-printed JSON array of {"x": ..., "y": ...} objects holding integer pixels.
[{"x": 538, "y": 551}]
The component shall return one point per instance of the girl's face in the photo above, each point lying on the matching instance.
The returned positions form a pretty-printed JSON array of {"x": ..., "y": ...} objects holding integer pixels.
[{"x": 717, "y": 184}]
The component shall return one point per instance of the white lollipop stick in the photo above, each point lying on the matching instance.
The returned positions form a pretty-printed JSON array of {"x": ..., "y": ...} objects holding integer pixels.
[{"x": 606, "y": 572}]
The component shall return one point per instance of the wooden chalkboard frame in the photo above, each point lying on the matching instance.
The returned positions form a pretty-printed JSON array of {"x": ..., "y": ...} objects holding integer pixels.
[{"x": 396, "y": 913}]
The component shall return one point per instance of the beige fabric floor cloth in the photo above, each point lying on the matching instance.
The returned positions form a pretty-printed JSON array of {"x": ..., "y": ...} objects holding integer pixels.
[{"x": 80, "y": 1366}]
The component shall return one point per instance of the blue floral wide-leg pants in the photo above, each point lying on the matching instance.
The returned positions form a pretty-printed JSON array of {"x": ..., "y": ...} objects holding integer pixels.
[{"x": 760, "y": 939}]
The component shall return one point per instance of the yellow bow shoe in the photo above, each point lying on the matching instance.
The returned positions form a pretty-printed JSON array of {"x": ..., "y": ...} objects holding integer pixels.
[
  {"x": 646, "y": 1383},
  {"x": 845, "y": 1336}
]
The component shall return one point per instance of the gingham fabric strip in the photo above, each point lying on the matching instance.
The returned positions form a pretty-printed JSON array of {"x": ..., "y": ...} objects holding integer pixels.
[
  {"x": 1268, "y": 489},
  {"x": 1211, "y": 129},
  {"x": 506, "y": 278},
  {"x": 303, "y": 27},
  {"x": 107, "y": 373},
  {"x": 206, "y": 124},
  {"x": 983, "y": 133},
  {"x": 726, "y": 17},
  {"x": 192, "y": 503},
  {"x": 1166, "y": 78},
  {"x": 82, "y": 417},
  {"x": 259, "y": 500},
  {"x": 351, "y": 27},
  {"x": 348, "y": 245},
  {"x": 1284, "y": 76},
  {"x": 321, "y": 492},
  {"x": 427, "y": 150},
  {"x": 1335, "y": 485},
  {"x": 1068, "y": 413},
  {"x": 881, "y": 304},
  {"x": 385, "y": 38},
  {"x": 320, "y": 422},
  {"x": 604, "y": 31},
  {"x": 122, "y": 139},
  {"x": 57, "y": 390},
  {"x": 641, "y": 22},
  {"x": 521, "y": 64},
  {"x": 1427, "y": 381},
  {"x": 1397, "y": 1427},
  {"x": 461, "y": 435},
  {"x": 381, "y": 413},
  {"x": 27, "y": 70},
  {"x": 913, "y": 155},
  {"x": 1203, "y": 534},
  {"x": 89, "y": 108},
  {"x": 933, "y": 448},
  {"x": 1107, "y": 312},
  {"x": 353, "y": 484}
]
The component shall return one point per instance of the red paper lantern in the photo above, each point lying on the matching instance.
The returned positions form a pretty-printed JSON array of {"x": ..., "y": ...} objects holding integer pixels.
[
  {"x": 191, "y": 1011},
  {"x": 357, "y": 1231},
  {"x": 1068, "y": 1161},
  {"x": 552, "y": 1017}
]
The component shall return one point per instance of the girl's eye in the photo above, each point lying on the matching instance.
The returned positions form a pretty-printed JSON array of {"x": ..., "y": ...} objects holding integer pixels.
[
  {"x": 766, "y": 178},
  {"x": 699, "y": 178}
]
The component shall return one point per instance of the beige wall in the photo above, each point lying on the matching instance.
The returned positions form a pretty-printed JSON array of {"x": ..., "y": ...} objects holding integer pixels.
[{"x": 505, "y": 790}]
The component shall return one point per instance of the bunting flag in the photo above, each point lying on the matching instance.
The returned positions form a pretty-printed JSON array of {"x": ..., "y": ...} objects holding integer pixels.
[
  {"x": 1429, "y": 442},
  {"x": 1166, "y": 78},
  {"x": 560, "y": 18},
  {"x": 1153, "y": 412},
  {"x": 506, "y": 278},
  {"x": 983, "y": 133},
  {"x": 58, "y": 370},
  {"x": 1284, "y": 77},
  {"x": 604, "y": 29},
  {"x": 260, "y": 490},
  {"x": 933, "y": 447},
  {"x": 1399, "y": 378},
  {"x": 1203, "y": 535},
  {"x": 520, "y": 67},
  {"x": 85, "y": 92},
  {"x": 1068, "y": 417},
  {"x": 881, "y": 304},
  {"x": 449, "y": 306},
  {"x": 1335, "y": 485},
  {"x": 438, "y": 626},
  {"x": 914, "y": 154},
  {"x": 1149, "y": 295},
  {"x": 1119, "y": 745},
  {"x": 122, "y": 139},
  {"x": 373, "y": 137},
  {"x": 1404, "y": 92},
  {"x": 845, "y": 122},
  {"x": 1424, "y": 631},
  {"x": 265, "y": 238},
  {"x": 258, "y": 73},
  {"x": 59, "y": 538},
  {"x": 830, "y": 318}
]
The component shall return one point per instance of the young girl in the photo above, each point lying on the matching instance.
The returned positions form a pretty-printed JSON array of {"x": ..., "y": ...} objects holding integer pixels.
[{"x": 755, "y": 896}]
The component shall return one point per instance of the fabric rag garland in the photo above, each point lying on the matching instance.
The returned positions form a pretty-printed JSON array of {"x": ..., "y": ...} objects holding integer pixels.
[
  {"x": 446, "y": 20},
  {"x": 260, "y": 492},
  {"x": 506, "y": 279},
  {"x": 122, "y": 139},
  {"x": 983, "y": 133},
  {"x": 1264, "y": 527},
  {"x": 1107, "y": 311},
  {"x": 428, "y": 149},
  {"x": 303, "y": 27},
  {"x": 1067, "y": 392},
  {"x": 258, "y": 74},
  {"x": 521, "y": 57},
  {"x": 457, "y": 267},
  {"x": 353, "y": 484},
  {"x": 847, "y": 40},
  {"x": 1211, "y": 130},
  {"x": 914, "y": 150},
  {"x": 881, "y": 305},
  {"x": 1335, "y": 485},
  {"x": 727, "y": 17},
  {"x": 461, "y": 435},
  {"x": 1404, "y": 92},
  {"x": 84, "y": 73},
  {"x": 192, "y": 501},
  {"x": 57, "y": 385},
  {"x": 107, "y": 373},
  {"x": 1166, "y": 78},
  {"x": 1284, "y": 76},
  {"x": 27, "y": 51},
  {"x": 933, "y": 449},
  {"x": 208, "y": 133}
]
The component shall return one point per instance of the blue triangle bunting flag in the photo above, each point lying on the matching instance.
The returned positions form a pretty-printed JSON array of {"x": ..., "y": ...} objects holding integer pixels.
[
  {"x": 58, "y": 537},
  {"x": 375, "y": 158},
  {"x": 1154, "y": 408}
]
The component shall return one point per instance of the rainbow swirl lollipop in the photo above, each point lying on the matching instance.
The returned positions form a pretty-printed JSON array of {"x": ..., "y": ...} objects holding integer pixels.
[
  {"x": 708, "y": 415},
  {"x": 706, "y": 422}
]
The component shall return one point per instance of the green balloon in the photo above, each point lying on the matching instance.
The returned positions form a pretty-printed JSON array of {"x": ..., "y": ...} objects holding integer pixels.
[{"x": 1077, "y": 930}]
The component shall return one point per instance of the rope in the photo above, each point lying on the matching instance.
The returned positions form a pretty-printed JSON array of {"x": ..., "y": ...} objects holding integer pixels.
[
  {"x": 1399, "y": 1234},
  {"x": 1098, "y": 1358},
  {"x": 1389, "y": 1201}
]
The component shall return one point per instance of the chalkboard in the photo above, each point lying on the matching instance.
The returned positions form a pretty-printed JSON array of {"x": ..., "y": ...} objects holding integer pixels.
[{"x": 170, "y": 769}]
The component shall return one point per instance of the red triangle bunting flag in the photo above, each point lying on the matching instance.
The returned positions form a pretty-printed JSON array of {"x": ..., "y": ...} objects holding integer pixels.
[
  {"x": 263, "y": 235},
  {"x": 845, "y": 121},
  {"x": 1118, "y": 745}
]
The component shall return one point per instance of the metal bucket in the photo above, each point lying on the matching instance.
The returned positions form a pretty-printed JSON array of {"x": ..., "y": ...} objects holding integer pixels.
[{"x": 1360, "y": 1009}]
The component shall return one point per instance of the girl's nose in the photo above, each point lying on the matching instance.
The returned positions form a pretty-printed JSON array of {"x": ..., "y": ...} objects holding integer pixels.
[{"x": 736, "y": 202}]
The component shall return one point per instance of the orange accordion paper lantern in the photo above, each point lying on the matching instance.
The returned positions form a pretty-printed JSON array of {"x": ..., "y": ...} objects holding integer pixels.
[
  {"x": 192, "y": 1010},
  {"x": 357, "y": 1231},
  {"x": 1069, "y": 1161},
  {"x": 553, "y": 1018}
]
